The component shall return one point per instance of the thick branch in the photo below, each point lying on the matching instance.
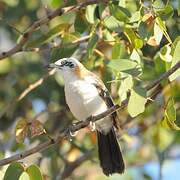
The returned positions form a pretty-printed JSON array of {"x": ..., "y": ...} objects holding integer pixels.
[
  {"x": 28, "y": 33},
  {"x": 81, "y": 124}
]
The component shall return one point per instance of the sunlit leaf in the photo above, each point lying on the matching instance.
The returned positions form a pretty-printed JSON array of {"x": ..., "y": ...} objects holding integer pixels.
[
  {"x": 165, "y": 13},
  {"x": 162, "y": 26},
  {"x": 36, "y": 128},
  {"x": 158, "y": 33},
  {"x": 125, "y": 86},
  {"x": 21, "y": 130},
  {"x": 135, "y": 17},
  {"x": 120, "y": 13},
  {"x": 133, "y": 38},
  {"x": 14, "y": 171},
  {"x": 34, "y": 172},
  {"x": 175, "y": 59},
  {"x": 169, "y": 120},
  {"x": 90, "y": 13},
  {"x": 137, "y": 101},
  {"x": 125, "y": 65},
  {"x": 44, "y": 38},
  {"x": 165, "y": 53},
  {"x": 24, "y": 176},
  {"x": 116, "y": 51},
  {"x": 112, "y": 24}
]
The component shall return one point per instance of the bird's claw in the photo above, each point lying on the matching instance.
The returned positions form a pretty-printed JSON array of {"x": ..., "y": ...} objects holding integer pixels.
[
  {"x": 72, "y": 134},
  {"x": 92, "y": 126}
]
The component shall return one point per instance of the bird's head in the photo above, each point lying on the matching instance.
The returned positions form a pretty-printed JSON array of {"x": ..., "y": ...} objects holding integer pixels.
[{"x": 69, "y": 67}]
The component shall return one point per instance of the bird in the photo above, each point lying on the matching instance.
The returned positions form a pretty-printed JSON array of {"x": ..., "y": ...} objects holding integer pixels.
[{"x": 86, "y": 95}]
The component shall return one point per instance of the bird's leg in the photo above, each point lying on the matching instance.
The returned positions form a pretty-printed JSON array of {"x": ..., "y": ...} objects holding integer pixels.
[
  {"x": 72, "y": 134},
  {"x": 92, "y": 126}
]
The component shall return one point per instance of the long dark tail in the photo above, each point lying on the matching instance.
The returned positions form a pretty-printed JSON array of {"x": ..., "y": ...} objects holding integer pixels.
[{"x": 110, "y": 155}]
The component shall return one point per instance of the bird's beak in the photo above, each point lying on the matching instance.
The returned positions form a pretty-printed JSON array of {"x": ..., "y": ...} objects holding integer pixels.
[{"x": 52, "y": 66}]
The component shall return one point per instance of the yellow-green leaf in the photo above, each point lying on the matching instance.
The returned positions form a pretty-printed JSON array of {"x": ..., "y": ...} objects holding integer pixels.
[
  {"x": 34, "y": 172},
  {"x": 175, "y": 59},
  {"x": 21, "y": 130},
  {"x": 169, "y": 120},
  {"x": 137, "y": 101}
]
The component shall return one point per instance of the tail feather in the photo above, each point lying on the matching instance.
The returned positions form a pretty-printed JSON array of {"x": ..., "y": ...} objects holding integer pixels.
[{"x": 110, "y": 155}]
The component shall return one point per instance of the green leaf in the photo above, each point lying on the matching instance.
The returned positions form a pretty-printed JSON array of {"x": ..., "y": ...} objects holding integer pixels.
[
  {"x": 145, "y": 31},
  {"x": 56, "y": 3},
  {"x": 120, "y": 13},
  {"x": 165, "y": 53},
  {"x": 158, "y": 4},
  {"x": 44, "y": 38},
  {"x": 135, "y": 17},
  {"x": 92, "y": 44},
  {"x": 170, "y": 116},
  {"x": 80, "y": 25},
  {"x": 90, "y": 13},
  {"x": 108, "y": 36},
  {"x": 135, "y": 56},
  {"x": 178, "y": 7},
  {"x": 113, "y": 24},
  {"x": 125, "y": 86},
  {"x": 116, "y": 51},
  {"x": 125, "y": 65},
  {"x": 65, "y": 50},
  {"x": 175, "y": 59},
  {"x": 137, "y": 101},
  {"x": 133, "y": 38},
  {"x": 14, "y": 171},
  {"x": 160, "y": 66},
  {"x": 165, "y": 13},
  {"x": 34, "y": 172}
]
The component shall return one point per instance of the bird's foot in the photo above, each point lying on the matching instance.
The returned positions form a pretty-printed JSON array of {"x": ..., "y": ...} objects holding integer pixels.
[
  {"x": 72, "y": 133},
  {"x": 92, "y": 126}
]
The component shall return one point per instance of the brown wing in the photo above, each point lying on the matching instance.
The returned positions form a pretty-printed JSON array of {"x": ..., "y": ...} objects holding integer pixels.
[{"x": 105, "y": 95}]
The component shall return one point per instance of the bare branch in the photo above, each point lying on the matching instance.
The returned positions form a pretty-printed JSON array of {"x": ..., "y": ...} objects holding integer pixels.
[{"x": 28, "y": 33}]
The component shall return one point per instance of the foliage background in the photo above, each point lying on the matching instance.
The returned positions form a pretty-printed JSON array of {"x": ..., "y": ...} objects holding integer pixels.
[{"x": 128, "y": 44}]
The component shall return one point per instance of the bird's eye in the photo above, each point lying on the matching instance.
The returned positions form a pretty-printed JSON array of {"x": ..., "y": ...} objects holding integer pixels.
[
  {"x": 64, "y": 62},
  {"x": 71, "y": 65}
]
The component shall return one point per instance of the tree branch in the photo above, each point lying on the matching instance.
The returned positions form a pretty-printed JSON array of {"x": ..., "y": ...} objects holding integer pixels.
[
  {"x": 81, "y": 124},
  {"x": 28, "y": 33},
  {"x": 164, "y": 76}
]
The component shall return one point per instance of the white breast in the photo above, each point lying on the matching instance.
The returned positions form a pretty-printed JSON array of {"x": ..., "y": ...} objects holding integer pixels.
[{"x": 83, "y": 100}]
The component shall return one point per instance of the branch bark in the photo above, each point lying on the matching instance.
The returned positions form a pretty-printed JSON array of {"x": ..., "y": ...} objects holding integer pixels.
[{"x": 81, "y": 124}]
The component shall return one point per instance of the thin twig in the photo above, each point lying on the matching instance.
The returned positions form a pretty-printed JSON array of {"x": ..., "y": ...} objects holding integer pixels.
[{"x": 34, "y": 85}]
